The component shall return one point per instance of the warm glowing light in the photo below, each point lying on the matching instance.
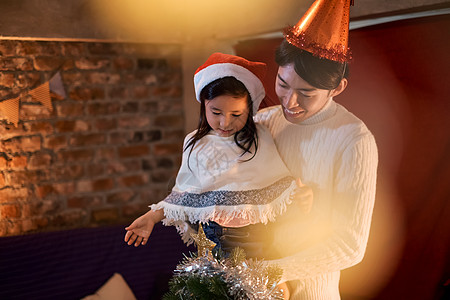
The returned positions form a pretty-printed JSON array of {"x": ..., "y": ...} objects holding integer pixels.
[{"x": 181, "y": 21}]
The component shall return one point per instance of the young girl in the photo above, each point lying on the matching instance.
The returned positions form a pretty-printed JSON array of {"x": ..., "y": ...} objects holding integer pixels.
[{"x": 231, "y": 175}]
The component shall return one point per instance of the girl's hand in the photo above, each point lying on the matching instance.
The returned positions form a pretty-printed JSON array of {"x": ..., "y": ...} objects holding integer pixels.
[
  {"x": 139, "y": 231},
  {"x": 302, "y": 197},
  {"x": 285, "y": 290}
]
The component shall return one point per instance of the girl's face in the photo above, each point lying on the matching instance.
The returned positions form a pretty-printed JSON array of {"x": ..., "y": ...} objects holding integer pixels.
[
  {"x": 299, "y": 99},
  {"x": 226, "y": 114}
]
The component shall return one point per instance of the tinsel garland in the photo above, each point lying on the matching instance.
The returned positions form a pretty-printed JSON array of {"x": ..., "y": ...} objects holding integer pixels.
[{"x": 234, "y": 277}]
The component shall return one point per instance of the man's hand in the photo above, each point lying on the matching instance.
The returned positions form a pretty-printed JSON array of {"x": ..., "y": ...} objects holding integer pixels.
[
  {"x": 285, "y": 290},
  {"x": 302, "y": 197}
]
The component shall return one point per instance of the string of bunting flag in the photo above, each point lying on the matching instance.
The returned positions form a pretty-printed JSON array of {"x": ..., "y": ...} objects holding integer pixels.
[{"x": 10, "y": 107}]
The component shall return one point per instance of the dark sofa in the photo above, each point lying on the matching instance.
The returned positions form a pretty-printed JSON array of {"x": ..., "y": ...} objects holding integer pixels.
[{"x": 72, "y": 264}]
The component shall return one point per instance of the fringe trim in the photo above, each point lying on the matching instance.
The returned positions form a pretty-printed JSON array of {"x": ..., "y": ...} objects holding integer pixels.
[
  {"x": 181, "y": 216},
  {"x": 183, "y": 229}
]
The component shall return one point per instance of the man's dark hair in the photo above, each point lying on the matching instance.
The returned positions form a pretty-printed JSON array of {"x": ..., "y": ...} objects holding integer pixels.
[{"x": 318, "y": 72}]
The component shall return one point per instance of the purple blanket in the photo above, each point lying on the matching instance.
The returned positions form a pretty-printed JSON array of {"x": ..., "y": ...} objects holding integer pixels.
[{"x": 72, "y": 264}]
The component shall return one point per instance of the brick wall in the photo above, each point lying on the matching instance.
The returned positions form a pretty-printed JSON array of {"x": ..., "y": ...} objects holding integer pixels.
[{"x": 106, "y": 151}]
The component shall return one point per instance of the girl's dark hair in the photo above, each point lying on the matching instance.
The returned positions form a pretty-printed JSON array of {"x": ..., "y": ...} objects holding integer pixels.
[
  {"x": 244, "y": 138},
  {"x": 318, "y": 72}
]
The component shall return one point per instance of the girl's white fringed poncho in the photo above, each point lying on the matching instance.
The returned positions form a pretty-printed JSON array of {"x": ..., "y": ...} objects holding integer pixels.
[{"x": 216, "y": 183}]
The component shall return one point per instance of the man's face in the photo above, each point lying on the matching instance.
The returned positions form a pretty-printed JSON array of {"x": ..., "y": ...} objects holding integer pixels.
[{"x": 299, "y": 99}]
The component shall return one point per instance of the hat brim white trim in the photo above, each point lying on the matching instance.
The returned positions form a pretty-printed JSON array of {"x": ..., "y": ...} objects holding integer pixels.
[{"x": 216, "y": 71}]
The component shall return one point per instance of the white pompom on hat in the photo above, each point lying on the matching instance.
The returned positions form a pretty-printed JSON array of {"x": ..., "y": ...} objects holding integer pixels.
[{"x": 220, "y": 65}]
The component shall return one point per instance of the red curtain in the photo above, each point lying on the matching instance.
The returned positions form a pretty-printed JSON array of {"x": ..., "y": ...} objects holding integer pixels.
[{"x": 399, "y": 86}]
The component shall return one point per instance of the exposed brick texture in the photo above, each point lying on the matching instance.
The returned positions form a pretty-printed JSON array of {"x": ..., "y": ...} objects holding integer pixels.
[{"x": 108, "y": 149}]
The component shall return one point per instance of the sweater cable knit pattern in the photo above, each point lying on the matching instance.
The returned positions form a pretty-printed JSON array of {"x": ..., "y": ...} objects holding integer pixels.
[{"x": 336, "y": 155}]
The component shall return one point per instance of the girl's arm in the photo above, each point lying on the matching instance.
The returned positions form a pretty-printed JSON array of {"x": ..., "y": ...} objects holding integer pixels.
[{"x": 139, "y": 231}]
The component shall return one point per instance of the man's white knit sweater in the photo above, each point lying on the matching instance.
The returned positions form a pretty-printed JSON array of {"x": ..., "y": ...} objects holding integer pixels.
[{"x": 335, "y": 154}]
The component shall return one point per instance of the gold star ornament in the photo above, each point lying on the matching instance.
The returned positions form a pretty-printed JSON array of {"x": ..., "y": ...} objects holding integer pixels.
[{"x": 204, "y": 245}]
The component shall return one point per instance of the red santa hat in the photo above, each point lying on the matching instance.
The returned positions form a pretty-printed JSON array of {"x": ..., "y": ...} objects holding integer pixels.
[{"x": 220, "y": 65}]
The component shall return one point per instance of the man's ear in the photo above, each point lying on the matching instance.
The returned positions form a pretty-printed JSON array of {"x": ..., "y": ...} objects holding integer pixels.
[{"x": 341, "y": 87}]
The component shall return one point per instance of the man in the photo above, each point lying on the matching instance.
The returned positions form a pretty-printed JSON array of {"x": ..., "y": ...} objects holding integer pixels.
[{"x": 328, "y": 148}]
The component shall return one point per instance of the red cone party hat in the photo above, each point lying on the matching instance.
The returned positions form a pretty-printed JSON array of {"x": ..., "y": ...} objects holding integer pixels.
[{"x": 323, "y": 30}]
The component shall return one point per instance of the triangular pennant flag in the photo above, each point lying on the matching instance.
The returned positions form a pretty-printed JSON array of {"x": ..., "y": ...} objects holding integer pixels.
[
  {"x": 42, "y": 94},
  {"x": 10, "y": 109},
  {"x": 56, "y": 85}
]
